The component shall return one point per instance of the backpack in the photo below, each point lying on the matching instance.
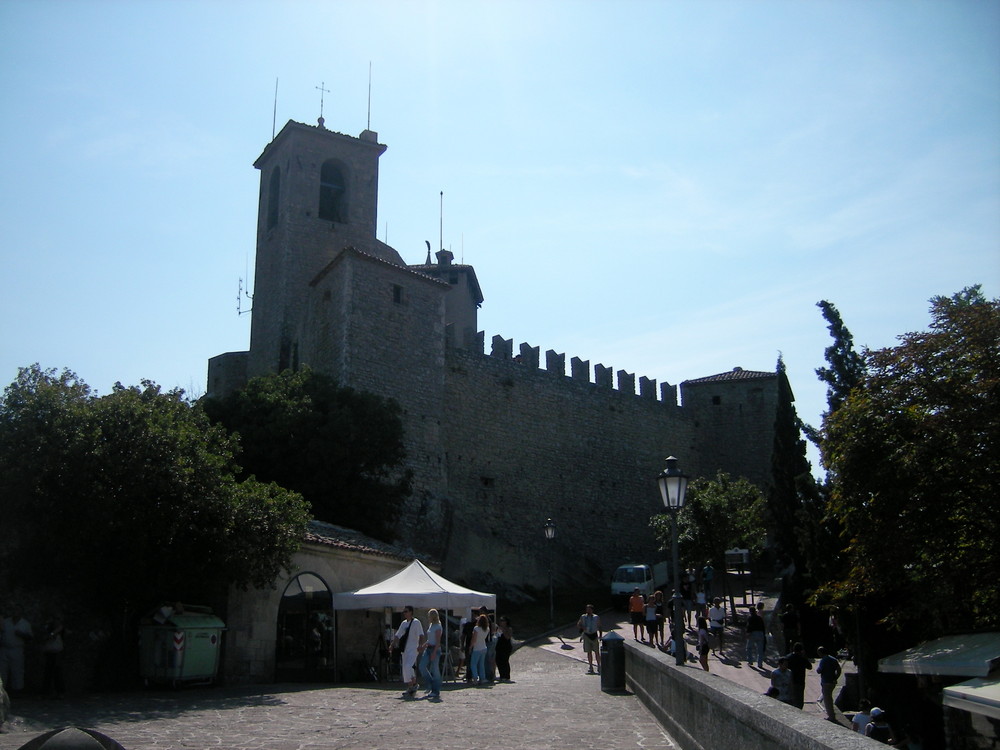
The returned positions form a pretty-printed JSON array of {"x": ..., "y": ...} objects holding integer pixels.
[
  {"x": 880, "y": 733},
  {"x": 406, "y": 635}
]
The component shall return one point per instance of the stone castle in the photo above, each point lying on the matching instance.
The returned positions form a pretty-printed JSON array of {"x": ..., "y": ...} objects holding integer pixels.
[{"x": 498, "y": 442}]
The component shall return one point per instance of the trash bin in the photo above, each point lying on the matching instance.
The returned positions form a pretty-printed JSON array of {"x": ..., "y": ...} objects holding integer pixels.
[
  {"x": 612, "y": 662},
  {"x": 180, "y": 645}
]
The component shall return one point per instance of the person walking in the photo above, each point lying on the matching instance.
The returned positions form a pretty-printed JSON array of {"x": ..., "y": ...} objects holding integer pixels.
[
  {"x": 660, "y": 616},
  {"x": 430, "y": 655},
  {"x": 505, "y": 647},
  {"x": 707, "y": 578},
  {"x": 637, "y": 613},
  {"x": 590, "y": 629},
  {"x": 687, "y": 594},
  {"x": 829, "y": 672},
  {"x": 756, "y": 637},
  {"x": 717, "y": 623},
  {"x": 798, "y": 665},
  {"x": 409, "y": 637},
  {"x": 703, "y": 645},
  {"x": 651, "y": 627}
]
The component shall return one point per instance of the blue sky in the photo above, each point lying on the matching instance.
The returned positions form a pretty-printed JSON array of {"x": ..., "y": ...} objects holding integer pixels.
[{"x": 666, "y": 188}]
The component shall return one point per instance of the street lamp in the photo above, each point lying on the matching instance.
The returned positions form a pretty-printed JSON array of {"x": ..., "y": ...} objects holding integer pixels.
[
  {"x": 673, "y": 488},
  {"x": 550, "y": 534}
]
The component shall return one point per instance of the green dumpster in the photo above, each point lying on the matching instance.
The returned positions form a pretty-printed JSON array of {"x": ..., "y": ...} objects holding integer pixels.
[{"x": 182, "y": 645}]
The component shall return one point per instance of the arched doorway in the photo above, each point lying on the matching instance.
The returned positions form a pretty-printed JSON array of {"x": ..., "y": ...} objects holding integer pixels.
[{"x": 305, "y": 646}]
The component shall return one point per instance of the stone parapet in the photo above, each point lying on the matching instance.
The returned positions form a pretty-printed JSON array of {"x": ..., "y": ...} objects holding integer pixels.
[{"x": 703, "y": 711}]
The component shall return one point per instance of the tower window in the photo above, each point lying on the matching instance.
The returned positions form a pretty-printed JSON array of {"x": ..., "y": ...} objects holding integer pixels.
[
  {"x": 273, "y": 196},
  {"x": 332, "y": 192},
  {"x": 397, "y": 294}
]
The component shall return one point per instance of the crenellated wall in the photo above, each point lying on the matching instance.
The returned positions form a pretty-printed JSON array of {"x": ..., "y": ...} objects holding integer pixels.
[{"x": 522, "y": 443}]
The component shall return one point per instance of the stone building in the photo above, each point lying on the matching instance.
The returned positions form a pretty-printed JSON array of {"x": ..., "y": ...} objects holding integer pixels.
[{"x": 498, "y": 441}]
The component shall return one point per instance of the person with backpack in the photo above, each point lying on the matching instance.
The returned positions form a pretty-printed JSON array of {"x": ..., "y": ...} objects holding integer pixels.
[
  {"x": 879, "y": 728},
  {"x": 409, "y": 637}
]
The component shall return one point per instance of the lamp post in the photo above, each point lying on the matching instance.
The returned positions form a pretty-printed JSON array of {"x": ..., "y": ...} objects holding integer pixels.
[
  {"x": 550, "y": 534},
  {"x": 673, "y": 487}
]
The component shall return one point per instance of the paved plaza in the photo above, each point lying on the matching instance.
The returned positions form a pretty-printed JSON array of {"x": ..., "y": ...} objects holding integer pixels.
[{"x": 551, "y": 703}]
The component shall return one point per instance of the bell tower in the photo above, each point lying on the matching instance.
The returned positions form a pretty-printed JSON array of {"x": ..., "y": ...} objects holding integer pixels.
[{"x": 318, "y": 195}]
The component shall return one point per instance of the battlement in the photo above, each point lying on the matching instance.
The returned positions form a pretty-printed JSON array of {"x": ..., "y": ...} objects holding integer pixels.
[{"x": 555, "y": 363}]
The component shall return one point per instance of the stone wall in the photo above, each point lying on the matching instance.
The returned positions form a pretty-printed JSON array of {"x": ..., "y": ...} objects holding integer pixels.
[
  {"x": 523, "y": 444},
  {"x": 378, "y": 327},
  {"x": 703, "y": 711}
]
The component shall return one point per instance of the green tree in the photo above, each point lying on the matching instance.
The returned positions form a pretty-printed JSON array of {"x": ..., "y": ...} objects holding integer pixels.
[
  {"x": 847, "y": 367},
  {"x": 340, "y": 448},
  {"x": 791, "y": 476},
  {"x": 718, "y": 514},
  {"x": 130, "y": 498},
  {"x": 912, "y": 455}
]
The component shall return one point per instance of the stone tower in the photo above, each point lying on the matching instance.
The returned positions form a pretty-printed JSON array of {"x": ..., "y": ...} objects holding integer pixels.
[{"x": 318, "y": 195}]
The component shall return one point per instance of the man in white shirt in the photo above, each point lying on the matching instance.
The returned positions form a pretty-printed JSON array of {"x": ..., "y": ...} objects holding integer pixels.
[
  {"x": 717, "y": 622},
  {"x": 407, "y": 640},
  {"x": 590, "y": 629}
]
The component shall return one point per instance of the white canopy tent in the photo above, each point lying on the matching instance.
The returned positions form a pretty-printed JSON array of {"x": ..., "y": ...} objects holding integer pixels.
[
  {"x": 415, "y": 585},
  {"x": 975, "y": 655}
]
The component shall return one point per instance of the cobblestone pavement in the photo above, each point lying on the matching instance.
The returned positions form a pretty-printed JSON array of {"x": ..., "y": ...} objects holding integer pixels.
[{"x": 552, "y": 703}]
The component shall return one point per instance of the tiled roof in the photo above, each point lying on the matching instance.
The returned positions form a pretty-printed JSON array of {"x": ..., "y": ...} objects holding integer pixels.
[
  {"x": 737, "y": 373},
  {"x": 326, "y": 534},
  {"x": 374, "y": 258}
]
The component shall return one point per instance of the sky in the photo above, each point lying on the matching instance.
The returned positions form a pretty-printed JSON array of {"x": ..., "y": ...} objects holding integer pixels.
[{"x": 666, "y": 188}]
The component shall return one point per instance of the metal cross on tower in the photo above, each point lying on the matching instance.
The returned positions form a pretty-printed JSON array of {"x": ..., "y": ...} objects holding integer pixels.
[{"x": 322, "y": 90}]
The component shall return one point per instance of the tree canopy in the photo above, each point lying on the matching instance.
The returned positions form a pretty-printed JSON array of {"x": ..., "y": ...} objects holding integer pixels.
[
  {"x": 340, "y": 448},
  {"x": 131, "y": 498},
  {"x": 793, "y": 483},
  {"x": 847, "y": 367},
  {"x": 718, "y": 514},
  {"x": 912, "y": 454}
]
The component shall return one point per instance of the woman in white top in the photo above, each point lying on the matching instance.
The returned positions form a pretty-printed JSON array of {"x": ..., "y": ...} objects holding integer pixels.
[
  {"x": 430, "y": 655},
  {"x": 479, "y": 645}
]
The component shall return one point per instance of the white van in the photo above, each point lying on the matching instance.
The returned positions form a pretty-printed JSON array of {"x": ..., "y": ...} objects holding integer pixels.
[{"x": 628, "y": 578}]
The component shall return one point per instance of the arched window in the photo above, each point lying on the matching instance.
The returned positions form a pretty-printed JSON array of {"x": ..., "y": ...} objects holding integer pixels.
[
  {"x": 305, "y": 630},
  {"x": 273, "y": 196},
  {"x": 332, "y": 192}
]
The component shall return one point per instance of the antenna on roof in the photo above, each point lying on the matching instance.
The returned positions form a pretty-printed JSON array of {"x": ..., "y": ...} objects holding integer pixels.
[
  {"x": 369, "y": 95},
  {"x": 241, "y": 292},
  {"x": 274, "y": 116},
  {"x": 441, "y": 221}
]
